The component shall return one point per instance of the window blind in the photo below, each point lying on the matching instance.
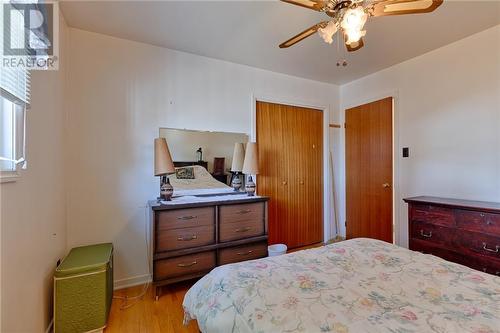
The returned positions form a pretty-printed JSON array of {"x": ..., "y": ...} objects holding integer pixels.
[{"x": 14, "y": 80}]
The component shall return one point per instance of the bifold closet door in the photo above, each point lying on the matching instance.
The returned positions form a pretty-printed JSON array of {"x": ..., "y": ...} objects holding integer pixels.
[{"x": 291, "y": 171}]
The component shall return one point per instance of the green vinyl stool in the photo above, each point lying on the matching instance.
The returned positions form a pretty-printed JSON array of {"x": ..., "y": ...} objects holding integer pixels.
[{"x": 83, "y": 289}]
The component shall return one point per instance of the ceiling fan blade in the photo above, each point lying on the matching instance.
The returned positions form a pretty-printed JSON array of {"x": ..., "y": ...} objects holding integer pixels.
[
  {"x": 317, "y": 5},
  {"x": 355, "y": 46},
  {"x": 304, "y": 34},
  {"x": 403, "y": 7}
]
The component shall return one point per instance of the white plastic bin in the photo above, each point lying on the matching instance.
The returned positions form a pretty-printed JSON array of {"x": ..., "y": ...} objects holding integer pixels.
[{"x": 276, "y": 249}]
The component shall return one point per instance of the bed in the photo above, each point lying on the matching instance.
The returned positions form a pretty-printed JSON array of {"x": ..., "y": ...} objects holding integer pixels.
[
  {"x": 202, "y": 184},
  {"x": 359, "y": 285}
]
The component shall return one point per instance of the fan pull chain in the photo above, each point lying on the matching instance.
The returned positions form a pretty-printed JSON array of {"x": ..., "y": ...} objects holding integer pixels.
[{"x": 343, "y": 62}]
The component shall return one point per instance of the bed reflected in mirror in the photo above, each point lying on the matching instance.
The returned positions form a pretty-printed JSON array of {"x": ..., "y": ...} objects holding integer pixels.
[{"x": 202, "y": 160}]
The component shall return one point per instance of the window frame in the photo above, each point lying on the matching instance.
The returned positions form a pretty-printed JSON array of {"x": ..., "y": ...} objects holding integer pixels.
[{"x": 19, "y": 142}]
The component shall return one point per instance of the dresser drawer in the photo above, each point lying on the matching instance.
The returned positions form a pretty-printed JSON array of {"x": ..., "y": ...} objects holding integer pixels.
[
  {"x": 477, "y": 243},
  {"x": 432, "y": 214},
  {"x": 176, "y": 239},
  {"x": 480, "y": 263},
  {"x": 242, "y": 212},
  {"x": 477, "y": 221},
  {"x": 184, "y": 218},
  {"x": 240, "y": 230},
  {"x": 436, "y": 250},
  {"x": 431, "y": 233},
  {"x": 240, "y": 253},
  {"x": 184, "y": 265}
]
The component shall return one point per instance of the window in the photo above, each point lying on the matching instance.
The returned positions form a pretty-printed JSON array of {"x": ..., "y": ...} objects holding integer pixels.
[
  {"x": 14, "y": 100},
  {"x": 11, "y": 135}
]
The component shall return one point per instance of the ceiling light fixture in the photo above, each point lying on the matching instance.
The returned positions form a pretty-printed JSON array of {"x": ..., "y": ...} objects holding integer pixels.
[
  {"x": 327, "y": 32},
  {"x": 350, "y": 16},
  {"x": 352, "y": 23}
]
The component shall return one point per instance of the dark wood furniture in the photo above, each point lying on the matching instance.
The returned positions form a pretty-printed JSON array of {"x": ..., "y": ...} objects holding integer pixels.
[
  {"x": 218, "y": 172},
  {"x": 192, "y": 236},
  {"x": 219, "y": 163},
  {"x": 462, "y": 231},
  {"x": 222, "y": 178},
  {"x": 180, "y": 164}
]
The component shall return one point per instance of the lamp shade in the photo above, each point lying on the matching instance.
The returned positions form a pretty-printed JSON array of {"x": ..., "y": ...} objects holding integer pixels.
[
  {"x": 251, "y": 162},
  {"x": 238, "y": 157},
  {"x": 163, "y": 160}
]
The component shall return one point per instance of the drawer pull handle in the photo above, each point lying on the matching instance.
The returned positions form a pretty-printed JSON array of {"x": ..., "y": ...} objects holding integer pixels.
[
  {"x": 188, "y": 217},
  {"x": 187, "y": 238},
  {"x": 245, "y": 229},
  {"x": 423, "y": 234},
  {"x": 187, "y": 265},
  {"x": 489, "y": 222},
  {"x": 244, "y": 211},
  {"x": 244, "y": 253},
  {"x": 495, "y": 250},
  {"x": 481, "y": 214}
]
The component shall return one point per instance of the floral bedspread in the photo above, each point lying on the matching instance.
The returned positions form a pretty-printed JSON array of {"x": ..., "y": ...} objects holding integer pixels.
[{"x": 359, "y": 285}]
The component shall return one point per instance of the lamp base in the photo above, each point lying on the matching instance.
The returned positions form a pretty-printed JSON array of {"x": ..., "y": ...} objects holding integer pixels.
[
  {"x": 250, "y": 187},
  {"x": 236, "y": 182},
  {"x": 166, "y": 189}
]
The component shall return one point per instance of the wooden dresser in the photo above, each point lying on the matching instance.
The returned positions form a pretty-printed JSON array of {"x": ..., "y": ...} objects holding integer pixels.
[
  {"x": 465, "y": 232},
  {"x": 192, "y": 235}
]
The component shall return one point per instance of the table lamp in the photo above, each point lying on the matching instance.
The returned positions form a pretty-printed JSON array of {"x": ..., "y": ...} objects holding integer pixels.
[
  {"x": 251, "y": 166},
  {"x": 237, "y": 165},
  {"x": 163, "y": 167}
]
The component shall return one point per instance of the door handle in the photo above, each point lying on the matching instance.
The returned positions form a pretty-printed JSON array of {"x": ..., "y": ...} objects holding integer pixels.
[
  {"x": 386, "y": 185},
  {"x": 285, "y": 182}
]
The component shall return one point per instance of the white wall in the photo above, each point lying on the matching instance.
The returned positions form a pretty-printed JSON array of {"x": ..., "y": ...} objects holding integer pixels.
[
  {"x": 33, "y": 208},
  {"x": 120, "y": 93},
  {"x": 448, "y": 114}
]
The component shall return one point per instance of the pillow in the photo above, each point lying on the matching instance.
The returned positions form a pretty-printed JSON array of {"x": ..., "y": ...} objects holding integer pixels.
[{"x": 184, "y": 173}]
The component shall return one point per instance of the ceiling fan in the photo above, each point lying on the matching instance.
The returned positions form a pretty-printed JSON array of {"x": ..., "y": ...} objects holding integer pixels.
[{"x": 349, "y": 16}]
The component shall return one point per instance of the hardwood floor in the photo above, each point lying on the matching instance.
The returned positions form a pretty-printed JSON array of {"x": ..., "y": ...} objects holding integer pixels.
[{"x": 148, "y": 315}]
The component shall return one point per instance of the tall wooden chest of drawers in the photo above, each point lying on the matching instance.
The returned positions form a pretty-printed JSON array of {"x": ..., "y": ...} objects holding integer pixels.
[
  {"x": 191, "y": 236},
  {"x": 462, "y": 231}
]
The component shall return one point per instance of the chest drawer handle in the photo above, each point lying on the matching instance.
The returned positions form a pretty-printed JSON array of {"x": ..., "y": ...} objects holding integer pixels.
[
  {"x": 495, "y": 250},
  {"x": 187, "y": 265},
  {"x": 244, "y": 211},
  {"x": 187, "y": 238},
  {"x": 244, "y": 253},
  {"x": 488, "y": 222},
  {"x": 188, "y": 217},
  {"x": 423, "y": 234},
  {"x": 245, "y": 229}
]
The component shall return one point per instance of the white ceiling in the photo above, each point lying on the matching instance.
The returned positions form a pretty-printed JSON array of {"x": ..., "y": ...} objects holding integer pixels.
[{"x": 248, "y": 32}]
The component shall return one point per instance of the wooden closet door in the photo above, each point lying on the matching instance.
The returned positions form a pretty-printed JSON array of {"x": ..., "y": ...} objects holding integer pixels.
[
  {"x": 291, "y": 172},
  {"x": 272, "y": 177}
]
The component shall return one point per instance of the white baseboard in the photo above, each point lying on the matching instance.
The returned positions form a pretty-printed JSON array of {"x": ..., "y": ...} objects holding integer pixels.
[
  {"x": 50, "y": 327},
  {"x": 132, "y": 281}
]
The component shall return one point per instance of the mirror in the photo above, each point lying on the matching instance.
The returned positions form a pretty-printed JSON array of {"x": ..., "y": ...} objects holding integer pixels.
[{"x": 184, "y": 146}]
